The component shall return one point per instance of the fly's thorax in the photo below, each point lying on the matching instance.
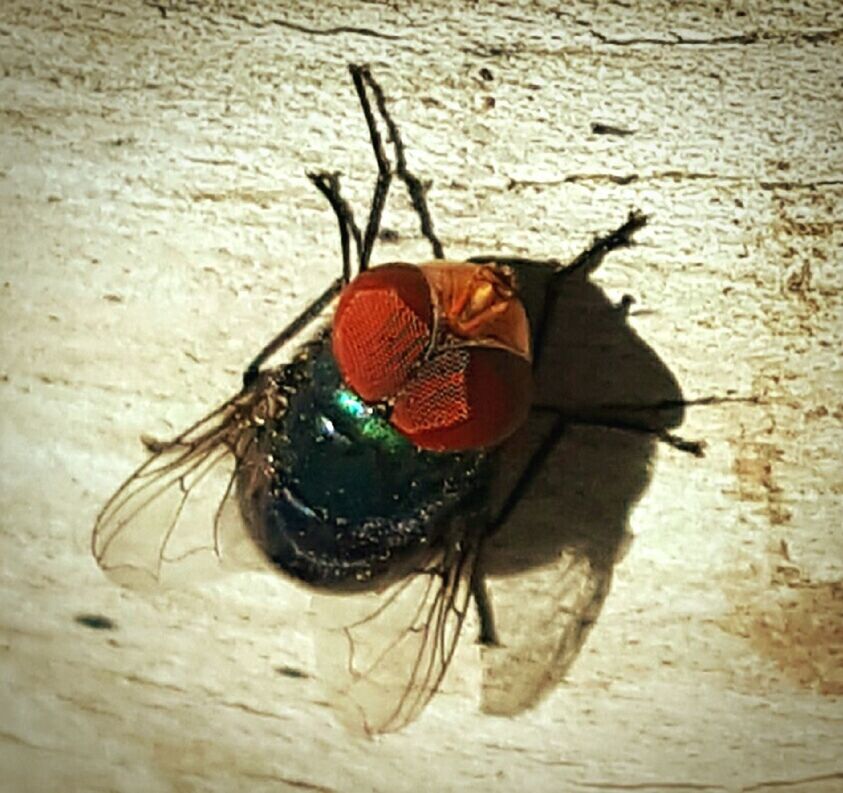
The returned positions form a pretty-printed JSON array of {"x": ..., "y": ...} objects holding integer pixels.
[{"x": 478, "y": 304}]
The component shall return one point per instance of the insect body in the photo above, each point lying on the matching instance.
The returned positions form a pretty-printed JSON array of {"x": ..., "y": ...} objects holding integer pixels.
[
  {"x": 364, "y": 463},
  {"x": 332, "y": 492}
]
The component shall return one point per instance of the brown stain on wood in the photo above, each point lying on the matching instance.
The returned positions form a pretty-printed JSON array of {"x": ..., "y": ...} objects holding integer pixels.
[
  {"x": 754, "y": 467},
  {"x": 786, "y": 616},
  {"x": 798, "y": 624},
  {"x": 805, "y": 229}
]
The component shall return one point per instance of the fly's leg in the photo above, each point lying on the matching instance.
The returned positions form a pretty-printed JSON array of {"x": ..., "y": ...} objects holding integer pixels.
[
  {"x": 586, "y": 262},
  {"x": 415, "y": 188},
  {"x": 589, "y": 260},
  {"x": 329, "y": 185},
  {"x": 563, "y": 420},
  {"x": 695, "y": 448},
  {"x": 560, "y": 423},
  {"x": 533, "y": 466},
  {"x": 583, "y": 266},
  {"x": 554, "y": 434},
  {"x": 487, "y": 635},
  {"x": 294, "y": 328},
  {"x": 360, "y": 75}
]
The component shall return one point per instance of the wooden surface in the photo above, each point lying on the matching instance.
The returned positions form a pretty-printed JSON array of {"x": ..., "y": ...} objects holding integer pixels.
[{"x": 156, "y": 228}]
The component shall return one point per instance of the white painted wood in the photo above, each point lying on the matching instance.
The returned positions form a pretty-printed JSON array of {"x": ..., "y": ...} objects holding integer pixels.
[{"x": 157, "y": 228}]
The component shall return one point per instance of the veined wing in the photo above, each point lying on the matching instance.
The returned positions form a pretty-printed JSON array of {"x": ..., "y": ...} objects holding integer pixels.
[
  {"x": 385, "y": 654},
  {"x": 176, "y": 518}
]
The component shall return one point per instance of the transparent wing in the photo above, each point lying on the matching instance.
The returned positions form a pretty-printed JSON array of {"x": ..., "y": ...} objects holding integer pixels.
[
  {"x": 539, "y": 644},
  {"x": 557, "y": 553},
  {"x": 385, "y": 654},
  {"x": 176, "y": 518}
]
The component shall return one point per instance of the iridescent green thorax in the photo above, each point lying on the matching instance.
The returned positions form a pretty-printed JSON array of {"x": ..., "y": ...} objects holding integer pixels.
[{"x": 371, "y": 425}]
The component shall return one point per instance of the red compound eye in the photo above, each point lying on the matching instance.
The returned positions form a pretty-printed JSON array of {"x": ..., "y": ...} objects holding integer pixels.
[
  {"x": 381, "y": 328},
  {"x": 465, "y": 398}
]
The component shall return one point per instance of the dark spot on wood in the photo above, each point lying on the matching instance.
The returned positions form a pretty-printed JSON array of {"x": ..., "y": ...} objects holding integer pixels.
[
  {"x": 388, "y": 235},
  {"x": 816, "y": 413},
  {"x": 598, "y": 128},
  {"x": 429, "y": 101},
  {"x": 291, "y": 671},
  {"x": 633, "y": 177},
  {"x": 96, "y": 622},
  {"x": 486, "y": 74}
]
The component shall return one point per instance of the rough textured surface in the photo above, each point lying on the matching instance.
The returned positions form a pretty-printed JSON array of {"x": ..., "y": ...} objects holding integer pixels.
[{"x": 156, "y": 228}]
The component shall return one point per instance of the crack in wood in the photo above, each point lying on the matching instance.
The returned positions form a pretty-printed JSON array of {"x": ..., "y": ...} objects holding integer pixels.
[
  {"x": 782, "y": 783},
  {"x": 165, "y": 10},
  {"x": 743, "y": 39}
]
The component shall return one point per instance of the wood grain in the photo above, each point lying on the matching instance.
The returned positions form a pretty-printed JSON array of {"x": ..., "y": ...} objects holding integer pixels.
[{"x": 157, "y": 227}]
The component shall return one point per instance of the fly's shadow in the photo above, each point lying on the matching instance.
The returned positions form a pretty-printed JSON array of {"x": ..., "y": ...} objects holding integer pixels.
[{"x": 608, "y": 401}]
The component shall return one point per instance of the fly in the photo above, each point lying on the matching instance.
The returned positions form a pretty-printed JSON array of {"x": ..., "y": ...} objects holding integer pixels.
[{"x": 364, "y": 464}]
